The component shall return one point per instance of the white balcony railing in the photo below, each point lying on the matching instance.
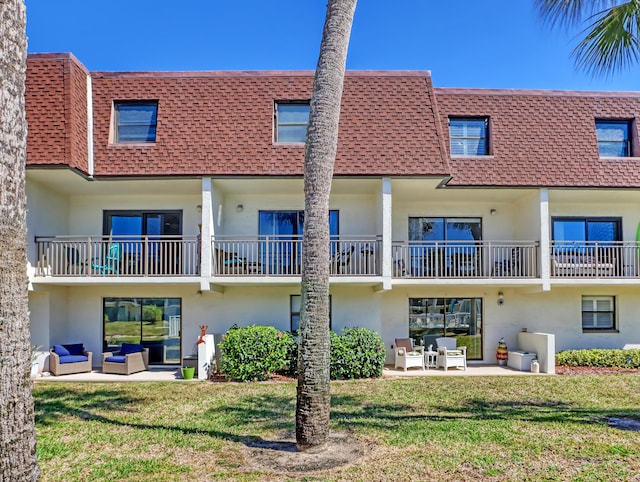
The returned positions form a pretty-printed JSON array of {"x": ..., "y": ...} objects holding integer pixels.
[
  {"x": 465, "y": 259},
  {"x": 595, "y": 259},
  {"x": 87, "y": 256},
  {"x": 281, "y": 255}
]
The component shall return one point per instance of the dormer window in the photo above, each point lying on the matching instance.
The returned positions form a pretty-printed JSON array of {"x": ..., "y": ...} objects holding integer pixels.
[
  {"x": 135, "y": 121},
  {"x": 468, "y": 136},
  {"x": 291, "y": 119},
  {"x": 613, "y": 138}
]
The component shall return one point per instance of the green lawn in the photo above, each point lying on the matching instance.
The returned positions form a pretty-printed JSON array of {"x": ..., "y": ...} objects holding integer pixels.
[{"x": 426, "y": 428}]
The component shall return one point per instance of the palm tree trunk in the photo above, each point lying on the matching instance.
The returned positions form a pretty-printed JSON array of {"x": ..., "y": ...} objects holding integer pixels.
[
  {"x": 17, "y": 433},
  {"x": 313, "y": 398}
]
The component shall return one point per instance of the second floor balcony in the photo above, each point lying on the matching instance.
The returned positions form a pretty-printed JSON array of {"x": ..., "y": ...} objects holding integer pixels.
[
  {"x": 281, "y": 255},
  {"x": 351, "y": 256},
  {"x": 465, "y": 259},
  {"x": 126, "y": 256}
]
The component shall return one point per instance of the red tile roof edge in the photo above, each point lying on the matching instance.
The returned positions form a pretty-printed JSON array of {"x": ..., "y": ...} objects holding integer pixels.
[
  {"x": 536, "y": 92},
  {"x": 261, "y": 73}
]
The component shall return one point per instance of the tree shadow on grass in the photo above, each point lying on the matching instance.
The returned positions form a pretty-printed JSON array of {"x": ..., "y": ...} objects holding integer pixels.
[
  {"x": 54, "y": 403},
  {"x": 250, "y": 416}
]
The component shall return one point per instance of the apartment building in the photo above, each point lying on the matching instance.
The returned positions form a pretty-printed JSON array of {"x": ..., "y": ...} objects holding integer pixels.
[{"x": 162, "y": 201}]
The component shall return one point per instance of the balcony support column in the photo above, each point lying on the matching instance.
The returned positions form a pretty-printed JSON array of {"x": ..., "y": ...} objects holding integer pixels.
[
  {"x": 545, "y": 240},
  {"x": 386, "y": 233},
  {"x": 206, "y": 234}
]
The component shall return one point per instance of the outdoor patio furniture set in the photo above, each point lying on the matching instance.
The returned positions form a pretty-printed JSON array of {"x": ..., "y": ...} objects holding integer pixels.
[
  {"x": 73, "y": 358},
  {"x": 447, "y": 354}
]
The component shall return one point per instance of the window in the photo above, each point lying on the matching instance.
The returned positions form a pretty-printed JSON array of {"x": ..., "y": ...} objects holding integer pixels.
[
  {"x": 431, "y": 318},
  {"x": 613, "y": 138},
  {"x": 296, "y": 307},
  {"x": 572, "y": 233},
  {"x": 291, "y": 119},
  {"x": 598, "y": 312},
  {"x": 136, "y": 122},
  {"x": 468, "y": 136},
  {"x": 153, "y": 322}
]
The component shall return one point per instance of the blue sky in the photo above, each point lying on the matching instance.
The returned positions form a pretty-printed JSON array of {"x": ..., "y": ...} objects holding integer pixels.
[{"x": 464, "y": 43}]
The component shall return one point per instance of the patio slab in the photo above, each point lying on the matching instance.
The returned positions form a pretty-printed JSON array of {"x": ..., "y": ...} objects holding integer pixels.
[
  {"x": 167, "y": 374},
  {"x": 475, "y": 369}
]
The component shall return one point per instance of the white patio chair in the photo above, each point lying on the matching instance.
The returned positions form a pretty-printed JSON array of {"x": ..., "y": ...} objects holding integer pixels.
[
  {"x": 407, "y": 355},
  {"x": 450, "y": 355}
]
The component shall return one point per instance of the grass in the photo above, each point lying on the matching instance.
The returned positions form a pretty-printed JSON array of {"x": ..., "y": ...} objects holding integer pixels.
[{"x": 462, "y": 428}]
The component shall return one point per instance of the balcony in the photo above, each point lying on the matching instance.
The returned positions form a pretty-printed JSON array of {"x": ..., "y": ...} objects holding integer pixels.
[
  {"x": 117, "y": 256},
  {"x": 281, "y": 255},
  {"x": 598, "y": 259},
  {"x": 465, "y": 259}
]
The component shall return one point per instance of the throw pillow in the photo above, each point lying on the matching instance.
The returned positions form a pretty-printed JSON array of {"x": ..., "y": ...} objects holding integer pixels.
[
  {"x": 128, "y": 348},
  {"x": 60, "y": 350},
  {"x": 75, "y": 348}
]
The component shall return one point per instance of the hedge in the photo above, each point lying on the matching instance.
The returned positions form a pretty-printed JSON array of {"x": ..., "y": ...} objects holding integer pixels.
[{"x": 599, "y": 357}]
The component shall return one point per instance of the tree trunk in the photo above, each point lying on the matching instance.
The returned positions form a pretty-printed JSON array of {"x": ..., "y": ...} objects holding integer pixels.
[
  {"x": 17, "y": 433},
  {"x": 313, "y": 397}
]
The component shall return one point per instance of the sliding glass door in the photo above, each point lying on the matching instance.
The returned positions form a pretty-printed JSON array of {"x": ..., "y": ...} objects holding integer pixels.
[
  {"x": 281, "y": 239},
  {"x": 460, "y": 318},
  {"x": 153, "y": 322},
  {"x": 149, "y": 240}
]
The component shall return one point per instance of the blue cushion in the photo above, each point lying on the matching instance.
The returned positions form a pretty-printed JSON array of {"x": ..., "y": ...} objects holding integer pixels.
[
  {"x": 127, "y": 348},
  {"x": 116, "y": 359},
  {"x": 60, "y": 350},
  {"x": 75, "y": 348},
  {"x": 73, "y": 358}
]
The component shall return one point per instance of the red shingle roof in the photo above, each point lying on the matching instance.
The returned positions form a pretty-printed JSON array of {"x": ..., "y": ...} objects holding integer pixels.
[
  {"x": 221, "y": 123},
  {"x": 392, "y": 124},
  {"x": 541, "y": 138}
]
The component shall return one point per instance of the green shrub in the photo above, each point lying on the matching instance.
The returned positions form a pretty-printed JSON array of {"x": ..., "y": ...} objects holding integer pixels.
[
  {"x": 357, "y": 353},
  {"x": 599, "y": 358},
  {"x": 253, "y": 352}
]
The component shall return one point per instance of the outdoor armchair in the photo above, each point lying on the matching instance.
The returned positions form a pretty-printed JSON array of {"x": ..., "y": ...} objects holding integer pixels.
[
  {"x": 450, "y": 355},
  {"x": 407, "y": 355},
  {"x": 67, "y": 359},
  {"x": 131, "y": 358}
]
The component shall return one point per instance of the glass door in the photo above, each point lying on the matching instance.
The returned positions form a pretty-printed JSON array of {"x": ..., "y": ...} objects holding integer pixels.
[
  {"x": 460, "y": 318},
  {"x": 149, "y": 240},
  {"x": 153, "y": 322}
]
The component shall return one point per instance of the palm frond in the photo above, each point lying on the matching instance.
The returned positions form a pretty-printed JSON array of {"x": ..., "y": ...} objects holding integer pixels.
[
  {"x": 612, "y": 40},
  {"x": 568, "y": 13}
]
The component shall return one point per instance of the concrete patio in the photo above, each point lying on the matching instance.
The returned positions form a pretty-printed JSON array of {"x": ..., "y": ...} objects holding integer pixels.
[{"x": 166, "y": 374}]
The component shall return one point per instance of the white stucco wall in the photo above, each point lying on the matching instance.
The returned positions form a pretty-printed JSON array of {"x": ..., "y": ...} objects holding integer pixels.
[
  {"x": 86, "y": 212},
  {"x": 47, "y": 215}
]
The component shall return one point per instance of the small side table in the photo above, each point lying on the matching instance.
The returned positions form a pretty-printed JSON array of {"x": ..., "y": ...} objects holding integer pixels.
[{"x": 430, "y": 359}]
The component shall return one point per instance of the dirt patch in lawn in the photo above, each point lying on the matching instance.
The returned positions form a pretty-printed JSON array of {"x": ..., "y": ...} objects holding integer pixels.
[{"x": 281, "y": 454}]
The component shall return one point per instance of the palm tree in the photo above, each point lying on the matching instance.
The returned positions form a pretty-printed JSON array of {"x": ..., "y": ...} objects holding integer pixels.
[
  {"x": 313, "y": 398},
  {"x": 611, "y": 40},
  {"x": 17, "y": 433}
]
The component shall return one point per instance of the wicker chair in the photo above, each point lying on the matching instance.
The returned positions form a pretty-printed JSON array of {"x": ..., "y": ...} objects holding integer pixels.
[
  {"x": 125, "y": 364},
  {"x": 407, "y": 355},
  {"x": 450, "y": 355},
  {"x": 59, "y": 366}
]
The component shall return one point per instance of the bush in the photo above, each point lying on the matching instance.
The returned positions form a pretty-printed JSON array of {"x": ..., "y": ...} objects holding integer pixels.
[
  {"x": 357, "y": 353},
  {"x": 253, "y": 352},
  {"x": 599, "y": 358}
]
